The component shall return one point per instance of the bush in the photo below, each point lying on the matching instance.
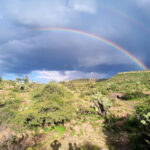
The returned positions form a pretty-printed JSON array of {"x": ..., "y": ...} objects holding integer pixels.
[
  {"x": 19, "y": 87},
  {"x": 51, "y": 91},
  {"x": 133, "y": 95},
  {"x": 49, "y": 107},
  {"x": 0, "y": 79},
  {"x": 26, "y": 79},
  {"x": 46, "y": 113},
  {"x": 142, "y": 139},
  {"x": 104, "y": 91},
  {"x": 9, "y": 110},
  {"x": 102, "y": 103}
]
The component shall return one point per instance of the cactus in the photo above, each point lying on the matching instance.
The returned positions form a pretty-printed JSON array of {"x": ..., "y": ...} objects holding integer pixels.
[{"x": 102, "y": 103}]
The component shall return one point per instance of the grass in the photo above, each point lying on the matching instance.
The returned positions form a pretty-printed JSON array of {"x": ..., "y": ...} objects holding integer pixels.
[
  {"x": 65, "y": 111},
  {"x": 137, "y": 95}
]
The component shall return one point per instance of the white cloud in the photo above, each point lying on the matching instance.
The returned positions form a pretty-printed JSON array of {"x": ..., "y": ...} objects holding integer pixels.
[
  {"x": 144, "y": 5},
  {"x": 37, "y": 12},
  {"x": 87, "y": 6},
  {"x": 47, "y": 13},
  {"x": 67, "y": 75},
  {"x": 143, "y": 2}
]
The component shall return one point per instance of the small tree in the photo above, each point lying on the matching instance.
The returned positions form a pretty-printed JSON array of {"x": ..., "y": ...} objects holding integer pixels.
[
  {"x": 18, "y": 79},
  {"x": 1, "y": 79},
  {"x": 26, "y": 79}
]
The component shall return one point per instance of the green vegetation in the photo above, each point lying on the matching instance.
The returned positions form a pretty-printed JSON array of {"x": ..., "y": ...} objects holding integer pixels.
[
  {"x": 49, "y": 106},
  {"x": 1, "y": 84},
  {"x": 102, "y": 103},
  {"x": 0, "y": 79},
  {"x": 142, "y": 139},
  {"x": 127, "y": 82},
  {"x": 84, "y": 114},
  {"x": 133, "y": 95}
]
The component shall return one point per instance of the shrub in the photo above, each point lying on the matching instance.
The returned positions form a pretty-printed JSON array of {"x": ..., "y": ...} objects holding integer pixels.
[
  {"x": 18, "y": 79},
  {"x": 49, "y": 107},
  {"x": 0, "y": 79},
  {"x": 51, "y": 91},
  {"x": 19, "y": 87},
  {"x": 46, "y": 113},
  {"x": 104, "y": 91},
  {"x": 1, "y": 84},
  {"x": 102, "y": 103},
  {"x": 113, "y": 87},
  {"x": 9, "y": 110},
  {"x": 142, "y": 138},
  {"x": 133, "y": 95},
  {"x": 86, "y": 110},
  {"x": 26, "y": 79}
]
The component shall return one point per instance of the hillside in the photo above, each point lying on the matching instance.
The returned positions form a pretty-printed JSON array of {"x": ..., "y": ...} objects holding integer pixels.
[{"x": 111, "y": 114}]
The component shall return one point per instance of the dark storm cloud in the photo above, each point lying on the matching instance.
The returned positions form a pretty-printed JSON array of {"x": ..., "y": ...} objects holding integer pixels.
[{"x": 23, "y": 50}]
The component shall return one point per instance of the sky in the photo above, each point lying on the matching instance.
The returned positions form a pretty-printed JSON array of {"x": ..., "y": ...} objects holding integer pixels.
[{"x": 46, "y": 55}]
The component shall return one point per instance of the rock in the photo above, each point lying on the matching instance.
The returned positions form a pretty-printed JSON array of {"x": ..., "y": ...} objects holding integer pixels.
[{"x": 116, "y": 95}]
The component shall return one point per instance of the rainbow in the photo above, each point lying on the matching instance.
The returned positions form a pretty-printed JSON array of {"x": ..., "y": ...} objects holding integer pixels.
[
  {"x": 131, "y": 19},
  {"x": 128, "y": 54}
]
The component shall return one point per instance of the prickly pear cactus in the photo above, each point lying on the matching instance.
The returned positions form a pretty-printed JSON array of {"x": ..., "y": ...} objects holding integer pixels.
[{"x": 102, "y": 103}]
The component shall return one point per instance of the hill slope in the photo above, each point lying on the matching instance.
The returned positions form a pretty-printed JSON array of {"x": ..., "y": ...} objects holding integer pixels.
[{"x": 79, "y": 114}]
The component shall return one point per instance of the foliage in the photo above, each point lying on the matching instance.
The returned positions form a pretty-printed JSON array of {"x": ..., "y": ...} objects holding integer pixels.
[
  {"x": 49, "y": 107},
  {"x": 1, "y": 83},
  {"x": 102, "y": 103},
  {"x": 51, "y": 90},
  {"x": 118, "y": 124},
  {"x": 9, "y": 110},
  {"x": 45, "y": 108},
  {"x": 45, "y": 114},
  {"x": 19, "y": 87},
  {"x": 133, "y": 95},
  {"x": 1, "y": 79},
  {"x": 26, "y": 79},
  {"x": 85, "y": 111},
  {"x": 127, "y": 82},
  {"x": 143, "y": 108},
  {"x": 142, "y": 138},
  {"x": 104, "y": 91},
  {"x": 18, "y": 79}
]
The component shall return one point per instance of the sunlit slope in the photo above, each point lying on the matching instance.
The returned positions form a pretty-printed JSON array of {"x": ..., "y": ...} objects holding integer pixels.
[{"x": 128, "y": 81}]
